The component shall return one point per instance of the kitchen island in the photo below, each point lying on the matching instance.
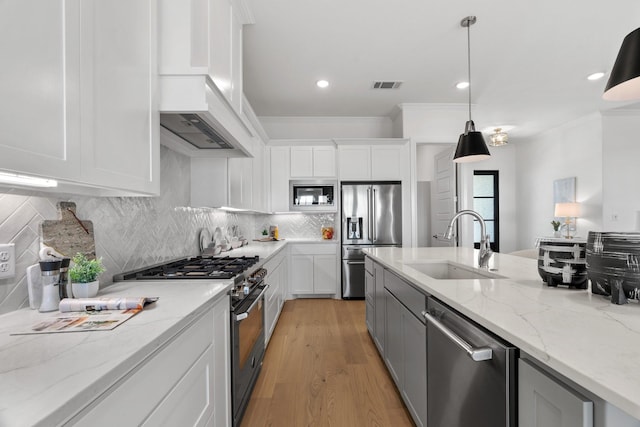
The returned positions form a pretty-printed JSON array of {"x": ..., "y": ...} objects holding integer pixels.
[
  {"x": 580, "y": 336},
  {"x": 49, "y": 379}
]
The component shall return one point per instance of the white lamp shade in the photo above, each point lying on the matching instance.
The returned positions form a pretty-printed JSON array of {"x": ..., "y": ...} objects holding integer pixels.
[{"x": 571, "y": 209}]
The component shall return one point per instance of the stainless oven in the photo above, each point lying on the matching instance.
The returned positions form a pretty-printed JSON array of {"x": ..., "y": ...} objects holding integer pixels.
[
  {"x": 247, "y": 341},
  {"x": 312, "y": 195}
]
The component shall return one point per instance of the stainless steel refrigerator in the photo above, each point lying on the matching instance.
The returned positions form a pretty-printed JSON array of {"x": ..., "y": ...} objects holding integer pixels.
[{"x": 371, "y": 216}]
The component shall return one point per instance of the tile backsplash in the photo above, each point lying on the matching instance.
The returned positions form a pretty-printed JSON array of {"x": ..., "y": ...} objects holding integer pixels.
[{"x": 133, "y": 232}]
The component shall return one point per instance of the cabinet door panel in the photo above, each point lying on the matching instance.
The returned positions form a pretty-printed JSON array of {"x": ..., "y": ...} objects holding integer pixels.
[
  {"x": 415, "y": 357},
  {"x": 279, "y": 172},
  {"x": 120, "y": 130},
  {"x": 545, "y": 402},
  {"x": 324, "y": 274},
  {"x": 354, "y": 162},
  {"x": 39, "y": 82},
  {"x": 186, "y": 404},
  {"x": 301, "y": 274},
  {"x": 393, "y": 348},
  {"x": 386, "y": 162},
  {"x": 380, "y": 301},
  {"x": 301, "y": 162},
  {"x": 324, "y": 162}
]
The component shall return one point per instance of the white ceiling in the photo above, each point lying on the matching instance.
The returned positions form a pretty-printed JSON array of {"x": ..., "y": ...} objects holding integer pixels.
[{"x": 529, "y": 59}]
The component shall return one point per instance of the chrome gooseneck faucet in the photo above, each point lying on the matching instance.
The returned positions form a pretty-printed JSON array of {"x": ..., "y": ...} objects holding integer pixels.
[{"x": 485, "y": 250}]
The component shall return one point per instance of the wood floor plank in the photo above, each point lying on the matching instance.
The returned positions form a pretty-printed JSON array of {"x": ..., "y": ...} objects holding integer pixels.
[{"x": 322, "y": 369}]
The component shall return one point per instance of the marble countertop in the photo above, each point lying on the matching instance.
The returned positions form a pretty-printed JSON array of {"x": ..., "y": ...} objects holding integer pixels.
[
  {"x": 580, "y": 335},
  {"x": 46, "y": 378}
]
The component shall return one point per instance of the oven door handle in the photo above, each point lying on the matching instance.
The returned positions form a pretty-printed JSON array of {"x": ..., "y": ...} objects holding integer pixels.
[{"x": 244, "y": 315}]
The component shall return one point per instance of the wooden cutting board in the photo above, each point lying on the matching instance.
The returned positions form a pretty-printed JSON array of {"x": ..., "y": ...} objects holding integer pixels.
[{"x": 68, "y": 234}]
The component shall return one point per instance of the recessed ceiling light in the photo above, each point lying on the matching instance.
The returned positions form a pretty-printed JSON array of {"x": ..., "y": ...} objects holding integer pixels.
[
  {"x": 595, "y": 76},
  {"x": 322, "y": 83},
  {"x": 462, "y": 85}
]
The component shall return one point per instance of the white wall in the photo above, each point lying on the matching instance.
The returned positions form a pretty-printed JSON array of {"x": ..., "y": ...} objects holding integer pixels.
[
  {"x": 571, "y": 150},
  {"x": 433, "y": 123},
  {"x": 503, "y": 159},
  {"x": 621, "y": 157}
]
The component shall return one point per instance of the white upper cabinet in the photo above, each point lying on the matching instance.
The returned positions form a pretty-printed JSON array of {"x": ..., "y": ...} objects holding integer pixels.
[
  {"x": 79, "y": 93},
  {"x": 279, "y": 178},
  {"x": 354, "y": 162},
  {"x": 39, "y": 82},
  {"x": 119, "y": 113},
  {"x": 378, "y": 162},
  {"x": 313, "y": 162}
]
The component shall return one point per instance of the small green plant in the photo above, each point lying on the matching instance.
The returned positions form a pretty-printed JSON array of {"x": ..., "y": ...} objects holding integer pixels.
[
  {"x": 85, "y": 270},
  {"x": 556, "y": 225},
  {"x": 264, "y": 232}
]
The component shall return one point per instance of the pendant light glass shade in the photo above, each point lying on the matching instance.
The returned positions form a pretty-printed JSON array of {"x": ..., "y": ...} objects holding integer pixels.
[
  {"x": 471, "y": 145},
  {"x": 624, "y": 81}
]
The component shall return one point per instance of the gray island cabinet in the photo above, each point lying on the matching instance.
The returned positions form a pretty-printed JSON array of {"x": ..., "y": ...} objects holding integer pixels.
[{"x": 520, "y": 309}]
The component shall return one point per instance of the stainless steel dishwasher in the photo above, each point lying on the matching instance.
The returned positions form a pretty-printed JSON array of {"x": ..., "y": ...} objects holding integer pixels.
[{"x": 471, "y": 376}]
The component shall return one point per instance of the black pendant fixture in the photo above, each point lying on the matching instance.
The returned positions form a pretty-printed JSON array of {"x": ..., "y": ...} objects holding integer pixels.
[
  {"x": 624, "y": 82},
  {"x": 471, "y": 145}
]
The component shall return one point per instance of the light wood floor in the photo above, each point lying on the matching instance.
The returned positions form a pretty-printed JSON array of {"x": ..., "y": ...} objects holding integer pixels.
[{"x": 321, "y": 368}]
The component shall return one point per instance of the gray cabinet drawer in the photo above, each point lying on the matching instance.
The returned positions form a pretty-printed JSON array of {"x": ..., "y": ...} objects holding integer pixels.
[{"x": 409, "y": 296}]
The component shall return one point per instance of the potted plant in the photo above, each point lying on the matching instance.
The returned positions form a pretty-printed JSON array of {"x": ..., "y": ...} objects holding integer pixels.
[
  {"x": 556, "y": 228},
  {"x": 84, "y": 276}
]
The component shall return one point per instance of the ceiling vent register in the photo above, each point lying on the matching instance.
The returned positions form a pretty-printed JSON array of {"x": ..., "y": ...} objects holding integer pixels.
[{"x": 386, "y": 85}]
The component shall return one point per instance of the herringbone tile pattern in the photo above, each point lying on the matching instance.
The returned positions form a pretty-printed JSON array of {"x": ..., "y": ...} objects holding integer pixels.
[{"x": 132, "y": 232}]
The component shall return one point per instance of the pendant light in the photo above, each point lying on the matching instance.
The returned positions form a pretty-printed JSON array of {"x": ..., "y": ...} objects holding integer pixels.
[
  {"x": 471, "y": 145},
  {"x": 624, "y": 82}
]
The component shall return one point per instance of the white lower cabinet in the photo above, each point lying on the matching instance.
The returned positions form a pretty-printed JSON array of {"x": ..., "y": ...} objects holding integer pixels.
[
  {"x": 276, "y": 293},
  {"x": 314, "y": 269},
  {"x": 543, "y": 401},
  {"x": 185, "y": 382}
]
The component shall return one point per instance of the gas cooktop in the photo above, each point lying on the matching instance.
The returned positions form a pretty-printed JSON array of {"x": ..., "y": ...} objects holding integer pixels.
[{"x": 193, "y": 268}]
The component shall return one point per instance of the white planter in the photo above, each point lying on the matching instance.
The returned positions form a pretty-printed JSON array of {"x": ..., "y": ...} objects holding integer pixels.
[{"x": 85, "y": 290}]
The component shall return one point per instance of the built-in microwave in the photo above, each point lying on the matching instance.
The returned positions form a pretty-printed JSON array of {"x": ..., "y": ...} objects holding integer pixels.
[{"x": 312, "y": 195}]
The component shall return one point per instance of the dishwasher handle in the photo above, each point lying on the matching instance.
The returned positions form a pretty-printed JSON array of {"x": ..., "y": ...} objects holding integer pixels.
[{"x": 477, "y": 354}]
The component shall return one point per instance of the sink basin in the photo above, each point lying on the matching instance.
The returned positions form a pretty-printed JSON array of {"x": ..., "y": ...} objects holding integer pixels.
[{"x": 445, "y": 270}]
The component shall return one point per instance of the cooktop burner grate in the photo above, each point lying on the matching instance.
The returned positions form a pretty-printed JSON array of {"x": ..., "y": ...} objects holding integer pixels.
[{"x": 195, "y": 268}]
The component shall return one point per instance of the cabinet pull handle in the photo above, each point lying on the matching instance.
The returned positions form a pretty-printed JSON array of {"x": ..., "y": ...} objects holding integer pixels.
[
  {"x": 355, "y": 262},
  {"x": 477, "y": 354}
]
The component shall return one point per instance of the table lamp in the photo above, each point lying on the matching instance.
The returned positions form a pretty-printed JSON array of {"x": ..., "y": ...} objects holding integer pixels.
[{"x": 567, "y": 210}]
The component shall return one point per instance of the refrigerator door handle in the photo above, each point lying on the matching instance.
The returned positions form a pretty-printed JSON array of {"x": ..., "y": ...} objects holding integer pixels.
[
  {"x": 369, "y": 216},
  {"x": 373, "y": 216}
]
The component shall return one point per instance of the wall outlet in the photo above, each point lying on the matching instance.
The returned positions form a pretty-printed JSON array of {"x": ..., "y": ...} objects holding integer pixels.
[{"x": 7, "y": 260}]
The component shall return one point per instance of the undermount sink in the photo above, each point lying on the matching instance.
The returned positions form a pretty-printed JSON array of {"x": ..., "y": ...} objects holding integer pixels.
[{"x": 445, "y": 270}]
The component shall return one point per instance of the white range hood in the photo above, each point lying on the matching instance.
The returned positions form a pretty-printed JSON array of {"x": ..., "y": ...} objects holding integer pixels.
[
  {"x": 197, "y": 120},
  {"x": 202, "y": 113}
]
